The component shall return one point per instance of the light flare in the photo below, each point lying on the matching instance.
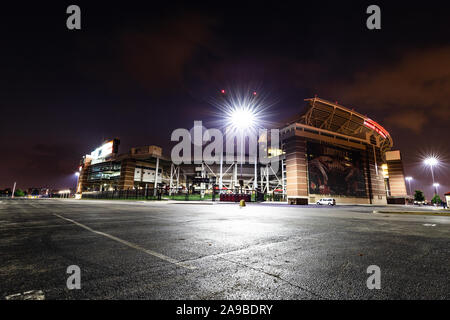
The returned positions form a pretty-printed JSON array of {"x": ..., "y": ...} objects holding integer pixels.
[{"x": 243, "y": 111}]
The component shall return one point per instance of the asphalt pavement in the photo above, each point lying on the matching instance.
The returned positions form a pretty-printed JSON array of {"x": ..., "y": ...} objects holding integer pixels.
[{"x": 151, "y": 250}]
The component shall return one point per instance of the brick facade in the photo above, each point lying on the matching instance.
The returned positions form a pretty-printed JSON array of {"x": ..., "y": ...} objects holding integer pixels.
[
  {"x": 296, "y": 167},
  {"x": 126, "y": 180}
]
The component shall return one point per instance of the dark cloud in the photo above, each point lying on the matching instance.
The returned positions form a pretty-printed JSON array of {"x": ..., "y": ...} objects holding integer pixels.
[
  {"x": 157, "y": 58},
  {"x": 413, "y": 120},
  {"x": 51, "y": 164}
]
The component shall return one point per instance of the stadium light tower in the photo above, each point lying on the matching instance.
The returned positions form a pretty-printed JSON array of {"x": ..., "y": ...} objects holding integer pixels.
[
  {"x": 77, "y": 174},
  {"x": 242, "y": 119},
  {"x": 432, "y": 162},
  {"x": 243, "y": 113},
  {"x": 436, "y": 186},
  {"x": 409, "y": 183}
]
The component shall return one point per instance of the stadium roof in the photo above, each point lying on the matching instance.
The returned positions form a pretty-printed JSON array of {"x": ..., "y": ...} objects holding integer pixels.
[{"x": 333, "y": 117}]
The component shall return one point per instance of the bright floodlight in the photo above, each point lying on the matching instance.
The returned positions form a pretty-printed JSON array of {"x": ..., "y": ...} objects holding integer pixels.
[
  {"x": 408, "y": 178},
  {"x": 242, "y": 111},
  {"x": 77, "y": 174},
  {"x": 242, "y": 119},
  {"x": 431, "y": 161},
  {"x": 436, "y": 185}
]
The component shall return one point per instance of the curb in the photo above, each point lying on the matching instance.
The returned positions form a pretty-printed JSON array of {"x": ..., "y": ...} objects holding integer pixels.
[{"x": 422, "y": 213}]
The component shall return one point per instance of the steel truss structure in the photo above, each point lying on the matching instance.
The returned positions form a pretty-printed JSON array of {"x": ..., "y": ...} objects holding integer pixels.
[
  {"x": 325, "y": 115},
  {"x": 230, "y": 177}
]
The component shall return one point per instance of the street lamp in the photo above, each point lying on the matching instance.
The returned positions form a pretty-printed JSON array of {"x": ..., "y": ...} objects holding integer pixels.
[
  {"x": 431, "y": 162},
  {"x": 409, "y": 183},
  {"x": 243, "y": 114},
  {"x": 77, "y": 174},
  {"x": 436, "y": 186}
]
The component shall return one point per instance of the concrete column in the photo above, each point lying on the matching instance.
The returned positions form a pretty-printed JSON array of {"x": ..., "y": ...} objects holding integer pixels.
[
  {"x": 375, "y": 187},
  {"x": 126, "y": 180},
  {"x": 156, "y": 177},
  {"x": 220, "y": 173},
  {"x": 296, "y": 168}
]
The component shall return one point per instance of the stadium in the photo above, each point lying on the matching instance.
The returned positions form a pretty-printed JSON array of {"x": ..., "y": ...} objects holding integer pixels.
[{"x": 328, "y": 150}]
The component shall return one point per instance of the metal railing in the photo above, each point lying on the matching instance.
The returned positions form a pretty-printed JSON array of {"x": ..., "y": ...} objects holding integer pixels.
[
  {"x": 164, "y": 194},
  {"x": 137, "y": 194}
]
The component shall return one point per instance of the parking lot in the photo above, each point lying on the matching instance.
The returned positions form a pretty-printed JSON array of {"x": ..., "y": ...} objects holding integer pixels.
[{"x": 155, "y": 250}]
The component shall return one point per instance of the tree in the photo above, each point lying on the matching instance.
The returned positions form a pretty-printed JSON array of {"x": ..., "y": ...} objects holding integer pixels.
[
  {"x": 19, "y": 193},
  {"x": 436, "y": 199},
  {"x": 418, "y": 196}
]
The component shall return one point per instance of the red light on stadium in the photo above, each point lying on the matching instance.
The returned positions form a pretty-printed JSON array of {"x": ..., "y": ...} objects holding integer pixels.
[
  {"x": 222, "y": 91},
  {"x": 254, "y": 93},
  {"x": 376, "y": 127}
]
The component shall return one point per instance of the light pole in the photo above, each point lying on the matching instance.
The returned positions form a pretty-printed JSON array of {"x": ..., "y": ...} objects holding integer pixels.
[
  {"x": 409, "y": 184},
  {"x": 14, "y": 190},
  {"x": 242, "y": 119},
  {"x": 77, "y": 174},
  {"x": 431, "y": 162},
  {"x": 244, "y": 113},
  {"x": 436, "y": 187}
]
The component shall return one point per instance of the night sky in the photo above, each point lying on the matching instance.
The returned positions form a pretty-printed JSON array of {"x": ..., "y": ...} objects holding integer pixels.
[{"x": 139, "y": 70}]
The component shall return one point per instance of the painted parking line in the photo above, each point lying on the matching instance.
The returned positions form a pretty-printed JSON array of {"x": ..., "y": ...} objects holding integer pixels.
[
  {"x": 27, "y": 295},
  {"x": 129, "y": 244}
]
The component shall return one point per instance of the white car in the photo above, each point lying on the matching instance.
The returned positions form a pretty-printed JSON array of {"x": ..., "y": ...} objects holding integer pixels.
[{"x": 328, "y": 201}]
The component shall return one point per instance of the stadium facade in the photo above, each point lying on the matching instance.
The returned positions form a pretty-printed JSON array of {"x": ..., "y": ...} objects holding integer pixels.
[
  {"x": 334, "y": 151},
  {"x": 326, "y": 151}
]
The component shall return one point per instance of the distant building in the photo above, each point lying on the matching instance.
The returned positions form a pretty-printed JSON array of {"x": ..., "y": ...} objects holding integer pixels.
[
  {"x": 106, "y": 170},
  {"x": 38, "y": 192},
  {"x": 5, "y": 192}
]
